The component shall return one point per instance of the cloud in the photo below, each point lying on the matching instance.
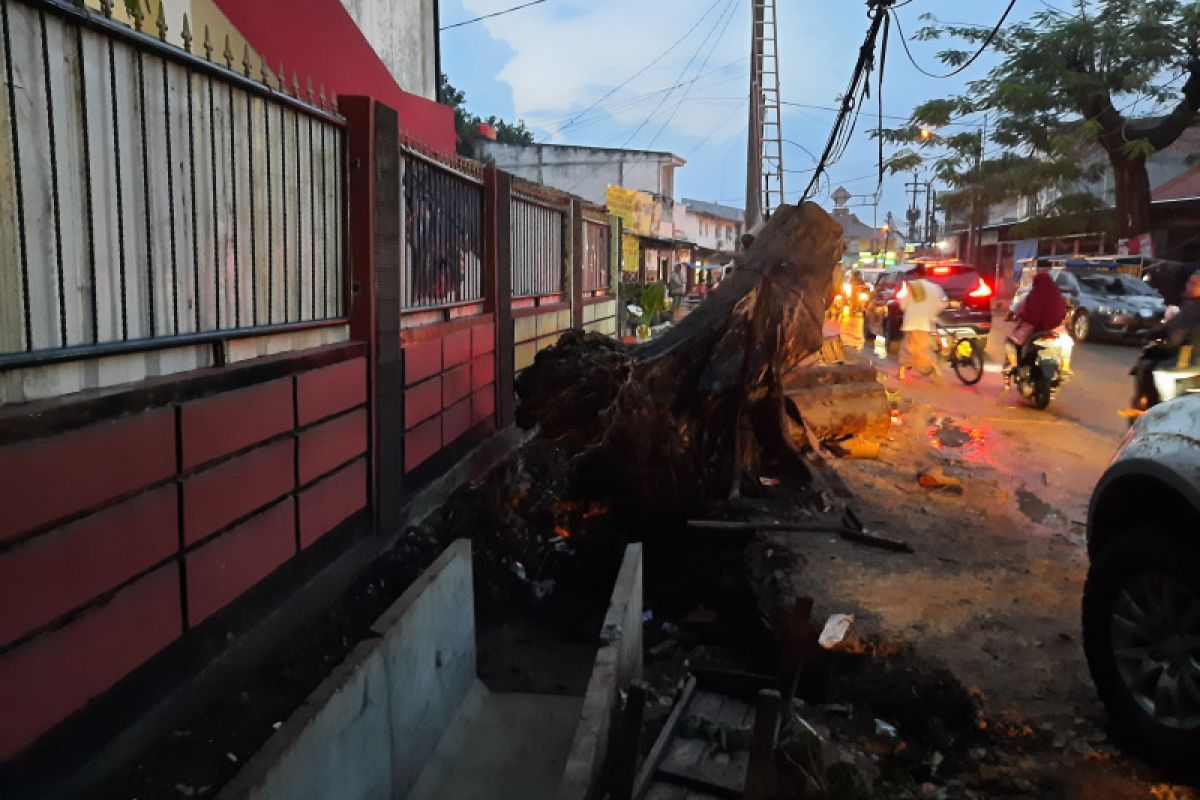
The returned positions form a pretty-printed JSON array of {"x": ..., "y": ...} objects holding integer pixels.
[{"x": 566, "y": 54}]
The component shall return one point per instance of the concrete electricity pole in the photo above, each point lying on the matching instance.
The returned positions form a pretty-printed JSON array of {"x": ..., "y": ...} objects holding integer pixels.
[{"x": 764, "y": 150}]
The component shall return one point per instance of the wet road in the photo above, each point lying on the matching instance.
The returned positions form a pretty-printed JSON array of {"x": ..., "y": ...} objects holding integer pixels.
[{"x": 993, "y": 590}]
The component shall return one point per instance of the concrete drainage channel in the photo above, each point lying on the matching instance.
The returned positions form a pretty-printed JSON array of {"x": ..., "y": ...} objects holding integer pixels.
[{"x": 406, "y": 716}]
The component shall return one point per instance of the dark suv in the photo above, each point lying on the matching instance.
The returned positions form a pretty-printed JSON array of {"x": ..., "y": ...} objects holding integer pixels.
[{"x": 969, "y": 301}]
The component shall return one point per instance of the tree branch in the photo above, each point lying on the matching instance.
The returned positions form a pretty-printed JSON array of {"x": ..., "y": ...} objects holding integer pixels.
[{"x": 1170, "y": 127}]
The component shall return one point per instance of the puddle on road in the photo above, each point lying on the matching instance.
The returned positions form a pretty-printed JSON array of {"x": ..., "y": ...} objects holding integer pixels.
[{"x": 1038, "y": 510}]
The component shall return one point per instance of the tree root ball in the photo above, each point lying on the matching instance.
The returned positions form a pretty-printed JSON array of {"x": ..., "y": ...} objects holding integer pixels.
[{"x": 674, "y": 423}]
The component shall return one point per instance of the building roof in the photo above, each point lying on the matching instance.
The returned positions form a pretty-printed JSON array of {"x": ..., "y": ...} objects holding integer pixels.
[
  {"x": 1181, "y": 187},
  {"x": 715, "y": 210},
  {"x": 852, "y": 226},
  {"x": 659, "y": 154}
]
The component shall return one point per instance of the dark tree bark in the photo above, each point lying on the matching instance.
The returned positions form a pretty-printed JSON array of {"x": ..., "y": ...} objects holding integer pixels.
[
  {"x": 1133, "y": 196},
  {"x": 674, "y": 423}
]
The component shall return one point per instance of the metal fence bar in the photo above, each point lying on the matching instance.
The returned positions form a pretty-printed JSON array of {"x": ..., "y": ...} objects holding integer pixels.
[
  {"x": 444, "y": 236},
  {"x": 89, "y": 226},
  {"x": 54, "y": 204},
  {"x": 71, "y": 295},
  {"x": 16, "y": 141},
  {"x": 537, "y": 254},
  {"x": 596, "y": 256}
]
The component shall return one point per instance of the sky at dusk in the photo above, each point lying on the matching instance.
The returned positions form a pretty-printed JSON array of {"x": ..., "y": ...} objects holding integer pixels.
[{"x": 548, "y": 63}]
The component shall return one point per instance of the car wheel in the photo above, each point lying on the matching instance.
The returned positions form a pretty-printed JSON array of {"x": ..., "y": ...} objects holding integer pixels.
[
  {"x": 1081, "y": 327},
  {"x": 1141, "y": 636}
]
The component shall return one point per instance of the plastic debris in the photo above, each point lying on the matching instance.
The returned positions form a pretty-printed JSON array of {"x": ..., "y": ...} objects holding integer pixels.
[
  {"x": 835, "y": 630},
  {"x": 936, "y": 478},
  {"x": 885, "y": 729}
]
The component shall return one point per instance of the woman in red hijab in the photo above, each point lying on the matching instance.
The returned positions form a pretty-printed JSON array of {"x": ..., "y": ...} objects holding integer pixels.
[{"x": 1042, "y": 310}]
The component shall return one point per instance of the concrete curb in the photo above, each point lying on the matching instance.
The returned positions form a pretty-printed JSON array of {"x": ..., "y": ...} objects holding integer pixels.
[
  {"x": 369, "y": 728},
  {"x": 618, "y": 663}
]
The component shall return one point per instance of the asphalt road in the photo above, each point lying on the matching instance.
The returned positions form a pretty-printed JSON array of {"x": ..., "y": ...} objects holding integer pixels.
[{"x": 993, "y": 589}]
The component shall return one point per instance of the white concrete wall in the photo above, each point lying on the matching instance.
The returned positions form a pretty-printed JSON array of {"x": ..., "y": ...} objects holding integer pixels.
[
  {"x": 368, "y": 730},
  {"x": 404, "y": 34},
  {"x": 579, "y": 170}
]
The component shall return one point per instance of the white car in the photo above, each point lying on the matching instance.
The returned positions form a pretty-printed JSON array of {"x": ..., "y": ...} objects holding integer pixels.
[{"x": 1141, "y": 603}]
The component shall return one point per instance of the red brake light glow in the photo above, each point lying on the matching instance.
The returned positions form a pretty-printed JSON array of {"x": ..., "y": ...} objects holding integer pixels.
[
  {"x": 982, "y": 290},
  {"x": 941, "y": 270}
]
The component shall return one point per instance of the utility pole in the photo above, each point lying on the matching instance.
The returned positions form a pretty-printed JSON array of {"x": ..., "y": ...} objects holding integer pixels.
[
  {"x": 914, "y": 212},
  {"x": 973, "y": 232},
  {"x": 764, "y": 149}
]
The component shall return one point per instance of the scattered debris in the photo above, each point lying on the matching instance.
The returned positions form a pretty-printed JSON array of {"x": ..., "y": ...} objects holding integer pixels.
[
  {"x": 936, "y": 478},
  {"x": 886, "y": 729},
  {"x": 663, "y": 647},
  {"x": 835, "y": 630},
  {"x": 844, "y": 532}
]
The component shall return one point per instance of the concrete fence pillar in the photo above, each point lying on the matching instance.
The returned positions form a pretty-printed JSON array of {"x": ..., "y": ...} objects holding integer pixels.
[
  {"x": 575, "y": 266},
  {"x": 497, "y": 229},
  {"x": 375, "y": 234}
]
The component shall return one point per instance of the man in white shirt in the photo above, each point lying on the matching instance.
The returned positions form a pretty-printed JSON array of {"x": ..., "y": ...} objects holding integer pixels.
[{"x": 921, "y": 301}]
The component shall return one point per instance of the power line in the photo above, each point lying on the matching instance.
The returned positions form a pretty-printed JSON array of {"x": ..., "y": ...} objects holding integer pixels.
[
  {"x": 682, "y": 72},
  {"x": 969, "y": 61},
  {"x": 858, "y": 84},
  {"x": 489, "y": 16},
  {"x": 683, "y": 96},
  {"x": 642, "y": 71},
  {"x": 580, "y": 119}
]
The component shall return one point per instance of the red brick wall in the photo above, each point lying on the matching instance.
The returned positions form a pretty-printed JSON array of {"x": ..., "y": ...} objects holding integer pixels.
[
  {"x": 103, "y": 525},
  {"x": 449, "y": 380}
]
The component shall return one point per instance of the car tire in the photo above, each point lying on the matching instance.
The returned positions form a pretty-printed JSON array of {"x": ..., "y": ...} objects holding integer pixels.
[
  {"x": 1139, "y": 553},
  {"x": 1081, "y": 327}
]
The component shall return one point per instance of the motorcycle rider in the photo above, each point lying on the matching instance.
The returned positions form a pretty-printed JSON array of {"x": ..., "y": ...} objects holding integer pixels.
[
  {"x": 1183, "y": 330},
  {"x": 1043, "y": 309},
  {"x": 921, "y": 301}
]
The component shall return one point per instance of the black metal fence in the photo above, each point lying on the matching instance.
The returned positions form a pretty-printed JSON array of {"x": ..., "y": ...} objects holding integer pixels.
[
  {"x": 597, "y": 242},
  {"x": 537, "y": 248},
  {"x": 148, "y": 194},
  {"x": 443, "y": 233}
]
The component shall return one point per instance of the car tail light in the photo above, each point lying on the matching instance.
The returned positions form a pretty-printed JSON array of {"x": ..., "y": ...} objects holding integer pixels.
[
  {"x": 982, "y": 290},
  {"x": 941, "y": 270}
]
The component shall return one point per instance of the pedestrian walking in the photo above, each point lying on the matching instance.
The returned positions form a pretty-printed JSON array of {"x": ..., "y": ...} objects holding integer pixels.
[
  {"x": 921, "y": 301},
  {"x": 676, "y": 286}
]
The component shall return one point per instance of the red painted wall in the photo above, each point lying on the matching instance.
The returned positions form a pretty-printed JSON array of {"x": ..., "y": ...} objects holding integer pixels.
[
  {"x": 95, "y": 546},
  {"x": 318, "y": 39}
]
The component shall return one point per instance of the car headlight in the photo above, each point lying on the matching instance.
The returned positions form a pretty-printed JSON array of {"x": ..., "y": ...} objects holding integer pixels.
[{"x": 1110, "y": 311}]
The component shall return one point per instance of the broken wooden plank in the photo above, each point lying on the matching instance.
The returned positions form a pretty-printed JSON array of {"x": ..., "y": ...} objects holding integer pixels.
[
  {"x": 658, "y": 750},
  {"x": 697, "y": 783},
  {"x": 850, "y": 534},
  {"x": 624, "y": 756},
  {"x": 760, "y": 777}
]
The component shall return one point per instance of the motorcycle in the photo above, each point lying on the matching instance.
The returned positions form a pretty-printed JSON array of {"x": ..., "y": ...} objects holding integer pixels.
[
  {"x": 1039, "y": 370},
  {"x": 1173, "y": 377}
]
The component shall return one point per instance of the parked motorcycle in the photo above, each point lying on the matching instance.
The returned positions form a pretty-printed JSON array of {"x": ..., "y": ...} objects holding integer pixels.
[{"x": 1039, "y": 370}]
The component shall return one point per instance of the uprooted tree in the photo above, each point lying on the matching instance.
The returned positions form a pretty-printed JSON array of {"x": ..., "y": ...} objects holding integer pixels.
[{"x": 678, "y": 421}]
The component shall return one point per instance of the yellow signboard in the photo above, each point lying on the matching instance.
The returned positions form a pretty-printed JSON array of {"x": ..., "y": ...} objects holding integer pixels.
[
  {"x": 636, "y": 209},
  {"x": 631, "y": 253}
]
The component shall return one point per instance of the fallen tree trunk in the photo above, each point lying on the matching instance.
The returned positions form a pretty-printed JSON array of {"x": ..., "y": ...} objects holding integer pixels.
[
  {"x": 838, "y": 401},
  {"x": 675, "y": 422}
]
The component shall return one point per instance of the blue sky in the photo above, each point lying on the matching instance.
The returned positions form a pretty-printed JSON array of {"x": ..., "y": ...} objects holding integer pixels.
[{"x": 547, "y": 64}]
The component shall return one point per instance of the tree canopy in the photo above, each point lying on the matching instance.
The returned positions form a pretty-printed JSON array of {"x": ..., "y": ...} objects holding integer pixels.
[
  {"x": 1103, "y": 84},
  {"x": 466, "y": 124}
]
